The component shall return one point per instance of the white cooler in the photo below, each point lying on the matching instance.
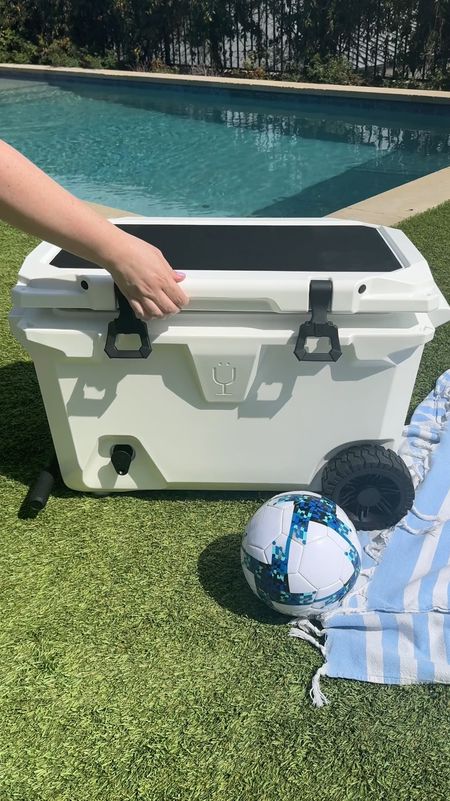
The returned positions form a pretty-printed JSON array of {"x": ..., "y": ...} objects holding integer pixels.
[{"x": 292, "y": 367}]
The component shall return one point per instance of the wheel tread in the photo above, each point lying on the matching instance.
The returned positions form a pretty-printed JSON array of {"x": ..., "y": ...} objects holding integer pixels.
[{"x": 355, "y": 458}]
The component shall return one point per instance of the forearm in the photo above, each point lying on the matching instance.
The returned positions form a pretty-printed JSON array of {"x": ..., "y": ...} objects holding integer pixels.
[{"x": 32, "y": 201}]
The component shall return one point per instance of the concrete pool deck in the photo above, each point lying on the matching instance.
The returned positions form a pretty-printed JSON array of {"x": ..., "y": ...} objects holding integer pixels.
[
  {"x": 390, "y": 208},
  {"x": 387, "y": 208}
]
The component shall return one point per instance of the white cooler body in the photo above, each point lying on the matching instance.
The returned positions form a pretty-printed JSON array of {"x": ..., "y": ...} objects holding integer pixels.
[{"x": 222, "y": 401}]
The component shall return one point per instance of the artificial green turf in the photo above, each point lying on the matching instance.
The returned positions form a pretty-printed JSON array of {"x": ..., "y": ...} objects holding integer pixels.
[{"x": 136, "y": 664}]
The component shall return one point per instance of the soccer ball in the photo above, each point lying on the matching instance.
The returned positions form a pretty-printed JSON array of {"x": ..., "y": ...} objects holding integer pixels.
[{"x": 300, "y": 554}]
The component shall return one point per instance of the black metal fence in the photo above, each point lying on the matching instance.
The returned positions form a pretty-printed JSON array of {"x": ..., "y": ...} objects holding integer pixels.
[
  {"x": 316, "y": 39},
  {"x": 394, "y": 39}
]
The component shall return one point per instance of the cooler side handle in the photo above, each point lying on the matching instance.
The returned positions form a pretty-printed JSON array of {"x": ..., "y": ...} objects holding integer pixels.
[{"x": 440, "y": 315}]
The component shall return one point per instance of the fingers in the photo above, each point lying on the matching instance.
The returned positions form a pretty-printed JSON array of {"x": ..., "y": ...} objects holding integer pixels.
[
  {"x": 176, "y": 294},
  {"x": 166, "y": 305},
  {"x": 148, "y": 309},
  {"x": 171, "y": 288},
  {"x": 145, "y": 309},
  {"x": 148, "y": 282}
]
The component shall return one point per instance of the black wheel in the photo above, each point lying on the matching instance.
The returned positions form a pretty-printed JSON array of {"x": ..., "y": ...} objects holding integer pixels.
[{"x": 371, "y": 484}]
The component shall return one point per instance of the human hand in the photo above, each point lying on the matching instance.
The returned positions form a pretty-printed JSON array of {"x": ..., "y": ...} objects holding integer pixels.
[
  {"x": 139, "y": 269},
  {"x": 145, "y": 278}
]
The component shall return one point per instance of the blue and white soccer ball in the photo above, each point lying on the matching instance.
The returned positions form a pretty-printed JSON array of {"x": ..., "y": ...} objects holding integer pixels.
[{"x": 300, "y": 554}]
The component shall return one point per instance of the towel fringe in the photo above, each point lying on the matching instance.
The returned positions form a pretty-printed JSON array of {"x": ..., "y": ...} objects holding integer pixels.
[
  {"x": 420, "y": 531},
  {"x": 307, "y": 625},
  {"x": 317, "y": 696},
  {"x": 376, "y": 548},
  {"x": 299, "y": 630},
  {"x": 305, "y": 630},
  {"x": 435, "y": 521},
  {"x": 422, "y": 516}
]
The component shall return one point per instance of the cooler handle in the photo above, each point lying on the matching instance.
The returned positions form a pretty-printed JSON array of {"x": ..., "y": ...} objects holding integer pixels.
[
  {"x": 320, "y": 299},
  {"x": 126, "y": 323}
]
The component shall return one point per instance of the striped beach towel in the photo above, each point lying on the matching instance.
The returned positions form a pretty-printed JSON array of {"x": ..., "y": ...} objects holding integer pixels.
[{"x": 394, "y": 627}]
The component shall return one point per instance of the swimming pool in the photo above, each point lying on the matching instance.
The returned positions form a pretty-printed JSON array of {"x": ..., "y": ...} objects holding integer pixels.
[{"x": 171, "y": 151}]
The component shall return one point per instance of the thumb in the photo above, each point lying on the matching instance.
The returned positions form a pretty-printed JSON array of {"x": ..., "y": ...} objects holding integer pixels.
[{"x": 179, "y": 276}]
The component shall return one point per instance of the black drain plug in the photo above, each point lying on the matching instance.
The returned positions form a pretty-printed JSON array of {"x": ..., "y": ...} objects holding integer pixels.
[{"x": 121, "y": 456}]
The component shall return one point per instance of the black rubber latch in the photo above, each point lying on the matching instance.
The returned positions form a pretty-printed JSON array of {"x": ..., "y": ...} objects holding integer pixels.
[
  {"x": 320, "y": 300},
  {"x": 126, "y": 323}
]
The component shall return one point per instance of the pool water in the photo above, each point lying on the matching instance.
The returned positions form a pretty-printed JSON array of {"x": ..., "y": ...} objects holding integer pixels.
[{"x": 185, "y": 152}]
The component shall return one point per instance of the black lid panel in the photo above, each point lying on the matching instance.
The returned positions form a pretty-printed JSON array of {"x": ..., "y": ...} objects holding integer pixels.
[{"x": 293, "y": 248}]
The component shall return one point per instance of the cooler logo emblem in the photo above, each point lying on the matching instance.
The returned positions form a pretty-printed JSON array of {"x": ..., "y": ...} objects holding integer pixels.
[{"x": 224, "y": 374}]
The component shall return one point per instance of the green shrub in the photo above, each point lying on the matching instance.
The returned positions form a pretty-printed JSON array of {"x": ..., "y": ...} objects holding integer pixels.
[
  {"x": 63, "y": 53},
  {"x": 158, "y": 65},
  {"x": 59, "y": 53},
  {"x": 106, "y": 62},
  {"x": 438, "y": 80},
  {"x": 330, "y": 70},
  {"x": 14, "y": 49}
]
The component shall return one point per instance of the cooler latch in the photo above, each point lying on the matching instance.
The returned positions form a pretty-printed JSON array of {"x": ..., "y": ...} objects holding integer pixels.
[
  {"x": 126, "y": 323},
  {"x": 320, "y": 299}
]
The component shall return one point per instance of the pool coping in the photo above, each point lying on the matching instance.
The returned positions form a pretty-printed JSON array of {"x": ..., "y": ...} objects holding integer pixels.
[
  {"x": 387, "y": 208},
  {"x": 283, "y": 87},
  {"x": 396, "y": 205}
]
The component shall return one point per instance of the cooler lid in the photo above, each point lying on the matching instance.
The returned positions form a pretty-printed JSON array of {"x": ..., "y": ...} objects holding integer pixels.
[
  {"x": 250, "y": 264},
  {"x": 259, "y": 248}
]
